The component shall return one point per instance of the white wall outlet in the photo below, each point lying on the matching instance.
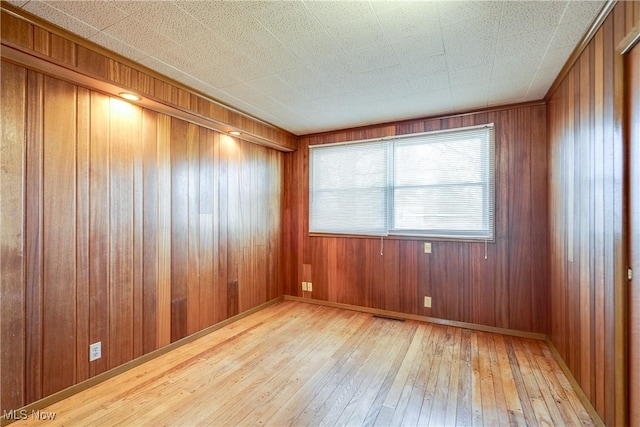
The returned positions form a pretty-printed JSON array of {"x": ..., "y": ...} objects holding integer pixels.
[
  {"x": 309, "y": 287},
  {"x": 95, "y": 351},
  {"x": 304, "y": 286},
  {"x": 427, "y": 247},
  {"x": 427, "y": 302}
]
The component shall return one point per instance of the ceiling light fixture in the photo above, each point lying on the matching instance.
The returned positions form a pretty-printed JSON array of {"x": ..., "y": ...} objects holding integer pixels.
[
  {"x": 129, "y": 96},
  {"x": 235, "y": 133}
]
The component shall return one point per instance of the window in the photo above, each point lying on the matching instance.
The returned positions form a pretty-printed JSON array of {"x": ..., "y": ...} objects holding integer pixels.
[{"x": 436, "y": 184}]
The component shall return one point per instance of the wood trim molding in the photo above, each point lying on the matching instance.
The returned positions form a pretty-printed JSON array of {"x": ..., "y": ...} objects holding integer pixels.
[
  {"x": 53, "y": 69},
  {"x": 574, "y": 383},
  {"x": 202, "y": 105},
  {"x": 405, "y": 316},
  {"x": 63, "y": 394}
]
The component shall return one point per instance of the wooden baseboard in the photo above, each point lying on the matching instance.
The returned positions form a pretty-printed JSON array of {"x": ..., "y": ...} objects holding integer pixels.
[
  {"x": 399, "y": 315},
  {"x": 77, "y": 388},
  {"x": 574, "y": 383}
]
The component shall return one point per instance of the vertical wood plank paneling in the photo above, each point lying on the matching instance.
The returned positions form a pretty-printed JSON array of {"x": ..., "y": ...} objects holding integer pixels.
[
  {"x": 12, "y": 149},
  {"x": 132, "y": 221},
  {"x": 586, "y": 206},
  {"x": 137, "y": 143},
  {"x": 599, "y": 249},
  {"x": 83, "y": 162},
  {"x": 125, "y": 138},
  {"x": 224, "y": 142},
  {"x": 33, "y": 236},
  {"x": 506, "y": 290},
  {"x": 633, "y": 138},
  {"x": 539, "y": 220},
  {"x": 179, "y": 228},
  {"x": 193, "y": 234},
  {"x": 99, "y": 208},
  {"x": 59, "y": 238},
  {"x": 207, "y": 247},
  {"x": 164, "y": 231},
  {"x": 235, "y": 221},
  {"x": 150, "y": 230},
  {"x": 519, "y": 231}
]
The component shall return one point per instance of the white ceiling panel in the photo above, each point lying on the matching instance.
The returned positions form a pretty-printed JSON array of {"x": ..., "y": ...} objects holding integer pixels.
[{"x": 312, "y": 66}]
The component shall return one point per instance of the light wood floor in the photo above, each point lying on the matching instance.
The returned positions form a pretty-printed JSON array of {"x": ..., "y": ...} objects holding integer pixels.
[{"x": 302, "y": 364}]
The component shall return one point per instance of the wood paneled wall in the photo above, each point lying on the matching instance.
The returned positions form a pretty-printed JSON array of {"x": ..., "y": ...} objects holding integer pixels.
[
  {"x": 507, "y": 290},
  {"x": 588, "y": 266},
  {"x": 124, "y": 226}
]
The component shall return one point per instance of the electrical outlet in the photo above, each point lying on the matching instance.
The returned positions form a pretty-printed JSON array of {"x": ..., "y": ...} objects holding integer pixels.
[
  {"x": 304, "y": 286},
  {"x": 95, "y": 351},
  {"x": 427, "y": 247},
  {"x": 309, "y": 287},
  {"x": 427, "y": 302}
]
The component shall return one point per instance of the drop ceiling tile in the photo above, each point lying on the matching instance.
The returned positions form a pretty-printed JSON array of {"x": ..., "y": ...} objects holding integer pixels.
[
  {"x": 275, "y": 88},
  {"x": 532, "y": 43},
  {"x": 130, "y": 32},
  {"x": 470, "y": 43},
  {"x": 420, "y": 45},
  {"x": 517, "y": 66},
  {"x": 287, "y": 21},
  {"x": 96, "y": 14},
  {"x": 179, "y": 57},
  {"x": 274, "y": 59},
  {"x": 455, "y": 12},
  {"x": 335, "y": 14},
  {"x": 471, "y": 75},
  {"x": 408, "y": 19},
  {"x": 215, "y": 75},
  {"x": 243, "y": 67},
  {"x": 502, "y": 91},
  {"x": 213, "y": 13},
  {"x": 299, "y": 78},
  {"x": 176, "y": 24},
  {"x": 571, "y": 28},
  {"x": 18, "y": 3},
  {"x": 359, "y": 34},
  {"x": 375, "y": 58},
  {"x": 130, "y": 6},
  {"x": 162, "y": 67},
  {"x": 111, "y": 43},
  {"x": 532, "y": 15},
  {"x": 60, "y": 18},
  {"x": 416, "y": 68},
  {"x": 470, "y": 96},
  {"x": 431, "y": 82},
  {"x": 211, "y": 48},
  {"x": 311, "y": 48}
]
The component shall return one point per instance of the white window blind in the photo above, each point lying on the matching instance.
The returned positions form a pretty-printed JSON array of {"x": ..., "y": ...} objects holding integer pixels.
[
  {"x": 438, "y": 184},
  {"x": 349, "y": 189}
]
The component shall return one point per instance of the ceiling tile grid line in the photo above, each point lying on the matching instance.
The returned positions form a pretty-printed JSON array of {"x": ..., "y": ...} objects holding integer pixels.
[{"x": 313, "y": 66}]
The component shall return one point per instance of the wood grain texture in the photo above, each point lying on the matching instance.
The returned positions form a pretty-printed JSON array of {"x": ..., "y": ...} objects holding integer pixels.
[
  {"x": 347, "y": 368},
  {"x": 59, "y": 236},
  {"x": 20, "y": 29},
  {"x": 586, "y": 205},
  {"x": 509, "y": 289},
  {"x": 123, "y": 225},
  {"x": 633, "y": 120},
  {"x": 12, "y": 280}
]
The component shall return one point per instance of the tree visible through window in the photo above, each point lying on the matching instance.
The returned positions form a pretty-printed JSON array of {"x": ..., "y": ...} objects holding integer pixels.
[{"x": 438, "y": 184}]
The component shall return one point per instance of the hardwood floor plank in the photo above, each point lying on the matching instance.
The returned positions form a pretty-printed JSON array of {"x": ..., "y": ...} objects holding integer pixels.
[{"x": 300, "y": 364}]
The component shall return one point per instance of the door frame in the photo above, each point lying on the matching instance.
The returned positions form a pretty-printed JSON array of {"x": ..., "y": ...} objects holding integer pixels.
[{"x": 625, "y": 365}]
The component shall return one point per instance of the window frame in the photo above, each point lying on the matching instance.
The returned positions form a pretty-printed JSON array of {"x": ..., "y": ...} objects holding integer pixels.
[{"x": 488, "y": 184}]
